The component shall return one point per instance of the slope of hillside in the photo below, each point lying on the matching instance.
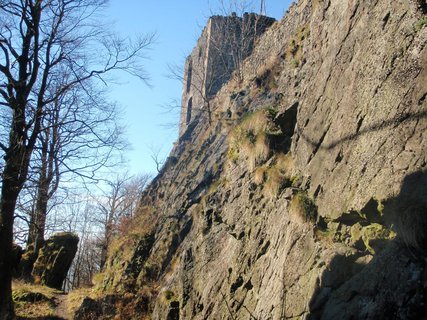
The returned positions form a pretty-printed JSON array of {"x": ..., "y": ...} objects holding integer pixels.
[{"x": 306, "y": 196}]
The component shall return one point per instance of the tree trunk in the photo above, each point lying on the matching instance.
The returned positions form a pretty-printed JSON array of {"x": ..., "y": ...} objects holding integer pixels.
[
  {"x": 35, "y": 239},
  {"x": 14, "y": 174},
  {"x": 38, "y": 219},
  {"x": 9, "y": 194},
  {"x": 47, "y": 172}
]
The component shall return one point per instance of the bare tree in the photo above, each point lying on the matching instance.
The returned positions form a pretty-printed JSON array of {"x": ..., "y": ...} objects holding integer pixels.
[
  {"x": 155, "y": 155},
  {"x": 86, "y": 262},
  {"x": 42, "y": 43},
  {"x": 119, "y": 200},
  {"x": 79, "y": 136}
]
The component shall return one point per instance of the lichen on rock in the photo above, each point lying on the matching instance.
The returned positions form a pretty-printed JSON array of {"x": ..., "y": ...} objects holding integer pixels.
[{"x": 54, "y": 259}]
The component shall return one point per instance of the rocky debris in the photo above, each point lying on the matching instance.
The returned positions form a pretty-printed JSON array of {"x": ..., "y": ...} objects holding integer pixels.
[{"x": 54, "y": 259}]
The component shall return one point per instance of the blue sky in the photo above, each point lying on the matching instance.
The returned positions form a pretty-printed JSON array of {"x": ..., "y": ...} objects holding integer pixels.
[{"x": 177, "y": 24}]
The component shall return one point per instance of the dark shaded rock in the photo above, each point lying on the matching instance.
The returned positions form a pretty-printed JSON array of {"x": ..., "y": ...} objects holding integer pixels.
[
  {"x": 55, "y": 259},
  {"x": 390, "y": 287},
  {"x": 140, "y": 256},
  {"x": 287, "y": 119},
  {"x": 108, "y": 307},
  {"x": 173, "y": 313},
  {"x": 17, "y": 255},
  {"x": 29, "y": 257},
  {"x": 89, "y": 309}
]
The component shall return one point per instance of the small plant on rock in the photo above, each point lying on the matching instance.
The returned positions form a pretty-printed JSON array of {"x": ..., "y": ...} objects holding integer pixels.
[
  {"x": 276, "y": 182},
  {"x": 251, "y": 138},
  {"x": 420, "y": 24},
  {"x": 302, "y": 208}
]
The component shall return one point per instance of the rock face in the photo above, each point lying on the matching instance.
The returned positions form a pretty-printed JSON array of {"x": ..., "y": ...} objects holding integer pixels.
[
  {"x": 54, "y": 260},
  {"x": 306, "y": 198}
]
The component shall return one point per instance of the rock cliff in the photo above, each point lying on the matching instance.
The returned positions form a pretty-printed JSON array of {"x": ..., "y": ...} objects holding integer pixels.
[{"x": 306, "y": 195}]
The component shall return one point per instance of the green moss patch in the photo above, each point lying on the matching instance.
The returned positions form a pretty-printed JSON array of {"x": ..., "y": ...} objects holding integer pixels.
[
  {"x": 33, "y": 301},
  {"x": 420, "y": 24}
]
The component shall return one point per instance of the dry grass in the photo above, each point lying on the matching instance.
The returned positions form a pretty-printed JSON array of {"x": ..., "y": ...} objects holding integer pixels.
[
  {"x": 275, "y": 183},
  {"x": 21, "y": 286},
  {"x": 261, "y": 148},
  {"x": 285, "y": 163},
  {"x": 260, "y": 175},
  {"x": 34, "y": 310},
  {"x": 256, "y": 122},
  {"x": 250, "y": 139},
  {"x": 279, "y": 175},
  {"x": 267, "y": 74},
  {"x": 33, "y": 301},
  {"x": 302, "y": 209},
  {"x": 272, "y": 62}
]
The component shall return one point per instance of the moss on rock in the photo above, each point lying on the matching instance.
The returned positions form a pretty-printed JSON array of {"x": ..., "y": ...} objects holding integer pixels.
[{"x": 54, "y": 259}]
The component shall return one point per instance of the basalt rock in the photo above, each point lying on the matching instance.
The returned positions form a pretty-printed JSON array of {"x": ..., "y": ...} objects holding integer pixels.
[
  {"x": 328, "y": 223},
  {"x": 54, "y": 259}
]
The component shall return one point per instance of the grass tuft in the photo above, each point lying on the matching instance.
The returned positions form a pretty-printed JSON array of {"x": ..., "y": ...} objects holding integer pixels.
[
  {"x": 276, "y": 182},
  {"x": 250, "y": 140},
  {"x": 260, "y": 175},
  {"x": 294, "y": 51},
  {"x": 420, "y": 24},
  {"x": 302, "y": 208}
]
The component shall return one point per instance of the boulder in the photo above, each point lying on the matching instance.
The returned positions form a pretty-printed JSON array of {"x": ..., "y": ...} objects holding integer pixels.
[{"x": 55, "y": 258}]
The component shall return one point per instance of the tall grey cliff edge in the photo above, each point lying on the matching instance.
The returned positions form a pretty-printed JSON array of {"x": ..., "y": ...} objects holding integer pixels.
[{"x": 306, "y": 195}]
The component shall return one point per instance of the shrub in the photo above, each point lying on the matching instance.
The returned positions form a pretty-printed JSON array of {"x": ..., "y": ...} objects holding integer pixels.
[
  {"x": 294, "y": 51},
  {"x": 276, "y": 182},
  {"x": 302, "y": 208},
  {"x": 260, "y": 175},
  {"x": 251, "y": 138},
  {"x": 420, "y": 24}
]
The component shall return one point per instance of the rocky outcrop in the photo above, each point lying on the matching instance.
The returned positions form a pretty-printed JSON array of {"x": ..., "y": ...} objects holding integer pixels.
[
  {"x": 305, "y": 198},
  {"x": 54, "y": 259}
]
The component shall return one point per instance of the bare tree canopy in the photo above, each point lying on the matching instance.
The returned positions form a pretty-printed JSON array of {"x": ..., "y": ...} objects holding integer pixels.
[{"x": 47, "y": 49}]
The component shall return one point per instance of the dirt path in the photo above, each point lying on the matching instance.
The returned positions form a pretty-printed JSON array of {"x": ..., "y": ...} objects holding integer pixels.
[{"x": 61, "y": 310}]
